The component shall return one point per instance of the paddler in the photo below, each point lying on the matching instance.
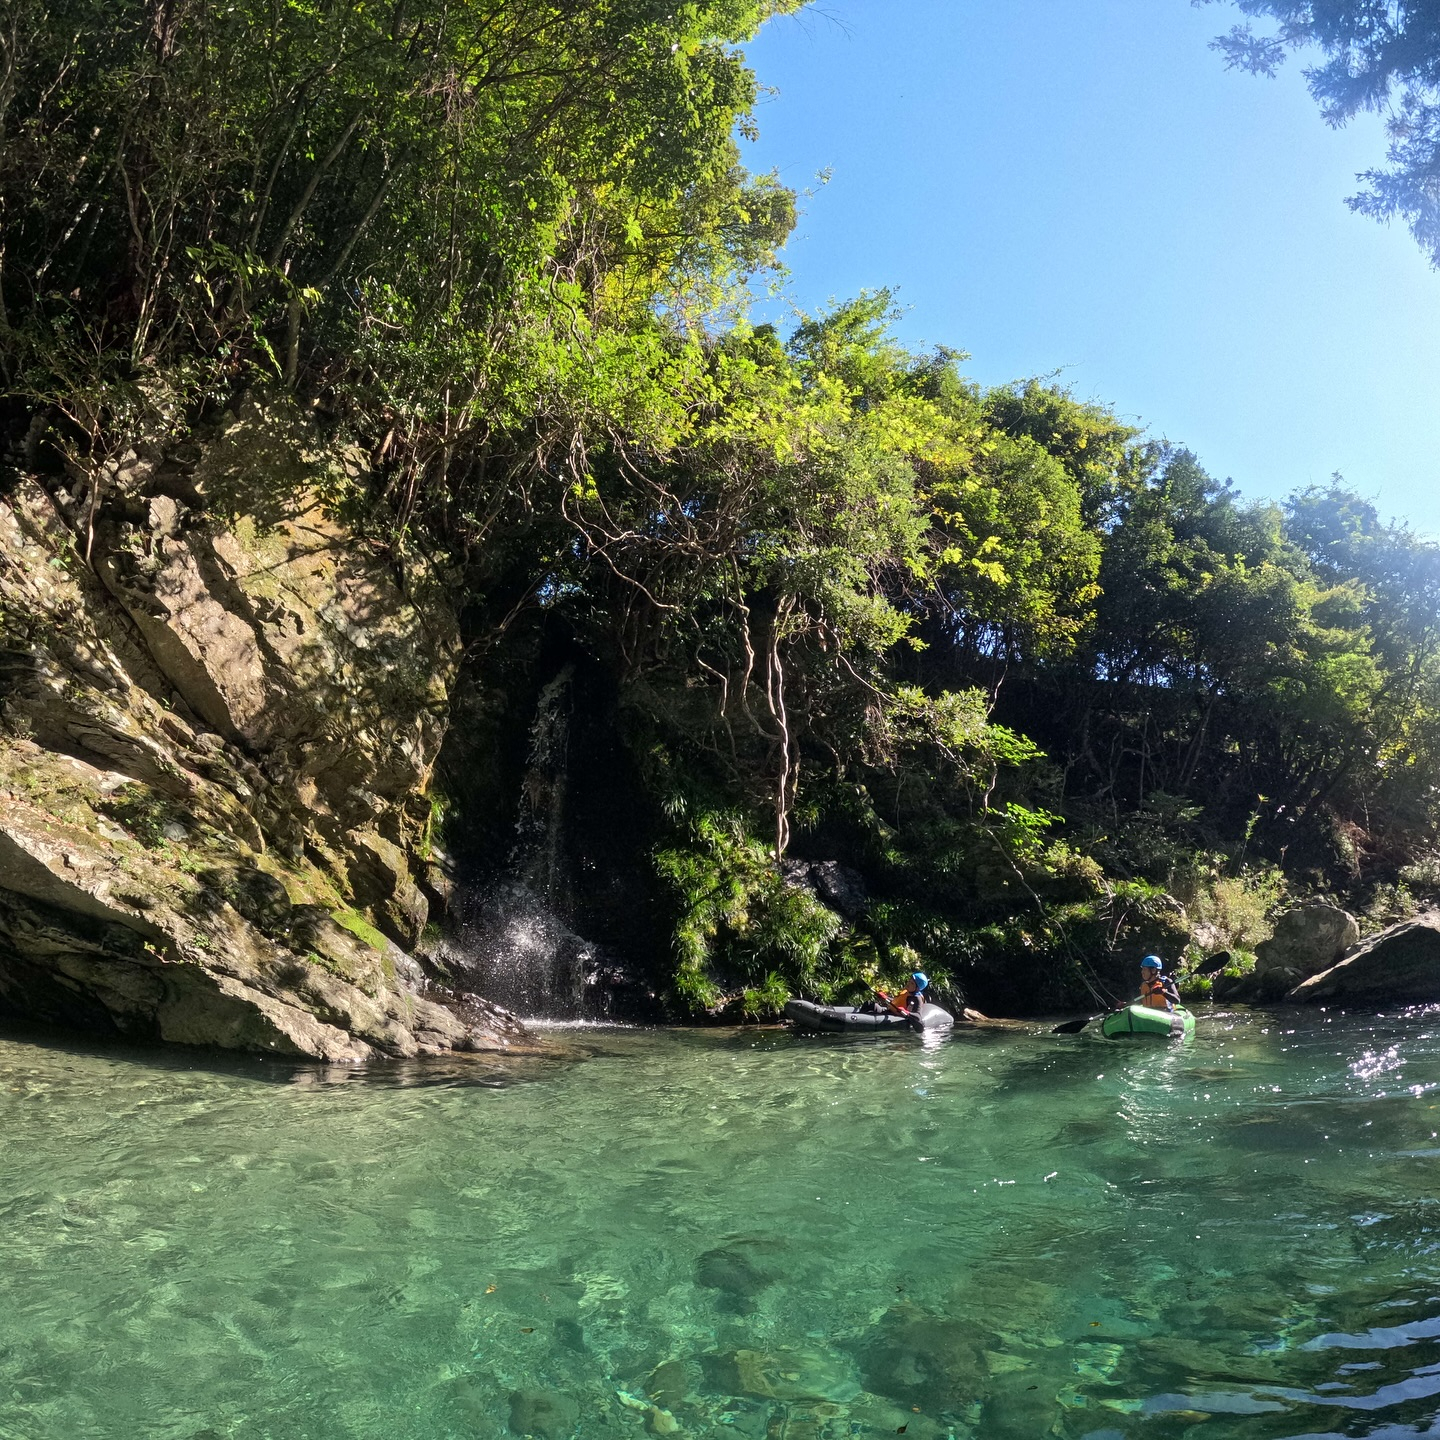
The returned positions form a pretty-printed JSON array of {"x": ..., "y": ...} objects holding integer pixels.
[
  {"x": 1157, "y": 990},
  {"x": 911, "y": 998}
]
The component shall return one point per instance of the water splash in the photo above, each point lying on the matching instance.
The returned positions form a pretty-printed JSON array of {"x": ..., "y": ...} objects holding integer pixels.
[
  {"x": 510, "y": 937},
  {"x": 510, "y": 946}
]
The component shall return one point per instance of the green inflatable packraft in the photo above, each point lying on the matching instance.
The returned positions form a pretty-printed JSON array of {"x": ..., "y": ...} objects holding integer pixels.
[{"x": 1137, "y": 1019}]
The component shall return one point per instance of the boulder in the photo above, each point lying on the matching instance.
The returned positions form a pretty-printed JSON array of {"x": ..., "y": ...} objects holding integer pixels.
[
  {"x": 922, "y": 1359},
  {"x": 733, "y": 1274},
  {"x": 786, "y": 1375},
  {"x": 668, "y": 1384},
  {"x": 1308, "y": 938},
  {"x": 1400, "y": 965},
  {"x": 216, "y": 742},
  {"x": 124, "y": 932},
  {"x": 838, "y": 887},
  {"x": 380, "y": 879}
]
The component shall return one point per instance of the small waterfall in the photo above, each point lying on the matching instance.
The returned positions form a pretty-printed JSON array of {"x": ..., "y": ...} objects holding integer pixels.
[
  {"x": 538, "y": 858},
  {"x": 512, "y": 948},
  {"x": 510, "y": 940}
]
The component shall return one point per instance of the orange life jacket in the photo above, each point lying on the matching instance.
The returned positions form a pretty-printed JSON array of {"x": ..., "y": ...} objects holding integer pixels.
[
  {"x": 907, "y": 1002},
  {"x": 1152, "y": 993}
]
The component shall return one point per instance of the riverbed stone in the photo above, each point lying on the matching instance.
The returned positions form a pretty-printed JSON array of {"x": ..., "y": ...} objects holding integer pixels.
[
  {"x": 808, "y": 1422},
  {"x": 544, "y": 1414},
  {"x": 933, "y": 1361},
  {"x": 668, "y": 1383},
  {"x": 659, "y": 1421},
  {"x": 785, "y": 1375},
  {"x": 731, "y": 1272},
  {"x": 878, "y": 1416},
  {"x": 1400, "y": 965}
]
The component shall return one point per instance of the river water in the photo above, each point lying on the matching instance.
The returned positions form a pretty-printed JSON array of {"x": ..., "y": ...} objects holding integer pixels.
[{"x": 1006, "y": 1234}]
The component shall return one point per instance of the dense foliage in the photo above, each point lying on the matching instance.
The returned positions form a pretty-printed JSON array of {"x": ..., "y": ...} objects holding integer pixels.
[
  {"x": 1034, "y": 680},
  {"x": 443, "y": 218}
]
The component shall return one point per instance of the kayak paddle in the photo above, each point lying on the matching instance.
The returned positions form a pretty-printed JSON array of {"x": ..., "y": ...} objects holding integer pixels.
[{"x": 1074, "y": 1027}]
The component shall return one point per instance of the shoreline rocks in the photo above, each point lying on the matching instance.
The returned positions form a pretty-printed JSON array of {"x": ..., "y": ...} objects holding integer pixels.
[
  {"x": 1399, "y": 965},
  {"x": 109, "y": 937},
  {"x": 1308, "y": 938},
  {"x": 218, "y": 725}
]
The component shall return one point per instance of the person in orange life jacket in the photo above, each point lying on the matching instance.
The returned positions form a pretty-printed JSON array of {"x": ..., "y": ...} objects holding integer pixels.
[
  {"x": 1157, "y": 990},
  {"x": 911, "y": 998}
]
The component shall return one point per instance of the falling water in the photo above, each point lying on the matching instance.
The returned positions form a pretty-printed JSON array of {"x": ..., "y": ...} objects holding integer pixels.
[
  {"x": 538, "y": 858},
  {"x": 510, "y": 940},
  {"x": 511, "y": 947}
]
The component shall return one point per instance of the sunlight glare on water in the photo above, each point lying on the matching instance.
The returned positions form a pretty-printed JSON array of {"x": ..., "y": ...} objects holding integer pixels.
[{"x": 1008, "y": 1234}]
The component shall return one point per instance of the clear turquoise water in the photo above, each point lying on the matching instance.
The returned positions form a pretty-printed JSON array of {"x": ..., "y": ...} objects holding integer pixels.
[{"x": 1006, "y": 1235}]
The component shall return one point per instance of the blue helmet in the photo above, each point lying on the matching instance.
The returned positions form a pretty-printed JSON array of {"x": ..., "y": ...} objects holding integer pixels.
[
  {"x": 920, "y": 980},
  {"x": 1152, "y": 962}
]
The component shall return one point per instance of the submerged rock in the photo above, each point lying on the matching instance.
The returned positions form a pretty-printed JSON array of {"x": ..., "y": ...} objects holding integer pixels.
[
  {"x": 877, "y": 1416},
  {"x": 668, "y": 1383},
  {"x": 732, "y": 1272},
  {"x": 788, "y": 1375},
  {"x": 1399, "y": 965},
  {"x": 545, "y": 1414},
  {"x": 927, "y": 1360},
  {"x": 658, "y": 1420}
]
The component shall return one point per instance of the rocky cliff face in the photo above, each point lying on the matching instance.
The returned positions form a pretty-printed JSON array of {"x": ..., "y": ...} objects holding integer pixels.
[{"x": 220, "y": 715}]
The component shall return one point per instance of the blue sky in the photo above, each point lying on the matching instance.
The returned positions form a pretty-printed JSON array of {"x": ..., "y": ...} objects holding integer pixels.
[{"x": 1080, "y": 186}]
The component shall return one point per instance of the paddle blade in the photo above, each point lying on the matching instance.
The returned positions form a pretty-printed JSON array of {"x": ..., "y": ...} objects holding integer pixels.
[{"x": 1073, "y": 1027}]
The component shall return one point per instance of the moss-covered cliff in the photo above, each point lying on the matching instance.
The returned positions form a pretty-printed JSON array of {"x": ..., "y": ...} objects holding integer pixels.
[{"x": 219, "y": 731}]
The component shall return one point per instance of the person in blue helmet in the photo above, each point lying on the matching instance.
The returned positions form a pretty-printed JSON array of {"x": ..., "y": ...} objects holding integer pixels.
[
  {"x": 1157, "y": 990},
  {"x": 911, "y": 998}
]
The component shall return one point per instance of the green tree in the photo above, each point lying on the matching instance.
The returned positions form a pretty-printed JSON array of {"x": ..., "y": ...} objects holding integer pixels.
[
  {"x": 1393, "y": 576},
  {"x": 1376, "y": 55},
  {"x": 431, "y": 215}
]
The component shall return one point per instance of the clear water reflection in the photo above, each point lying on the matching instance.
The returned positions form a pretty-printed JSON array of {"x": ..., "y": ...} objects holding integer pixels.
[{"x": 700, "y": 1233}]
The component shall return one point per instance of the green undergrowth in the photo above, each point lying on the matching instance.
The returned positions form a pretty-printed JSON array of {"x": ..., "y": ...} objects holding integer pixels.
[
  {"x": 1202, "y": 987},
  {"x": 1228, "y": 909},
  {"x": 744, "y": 937},
  {"x": 996, "y": 915}
]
